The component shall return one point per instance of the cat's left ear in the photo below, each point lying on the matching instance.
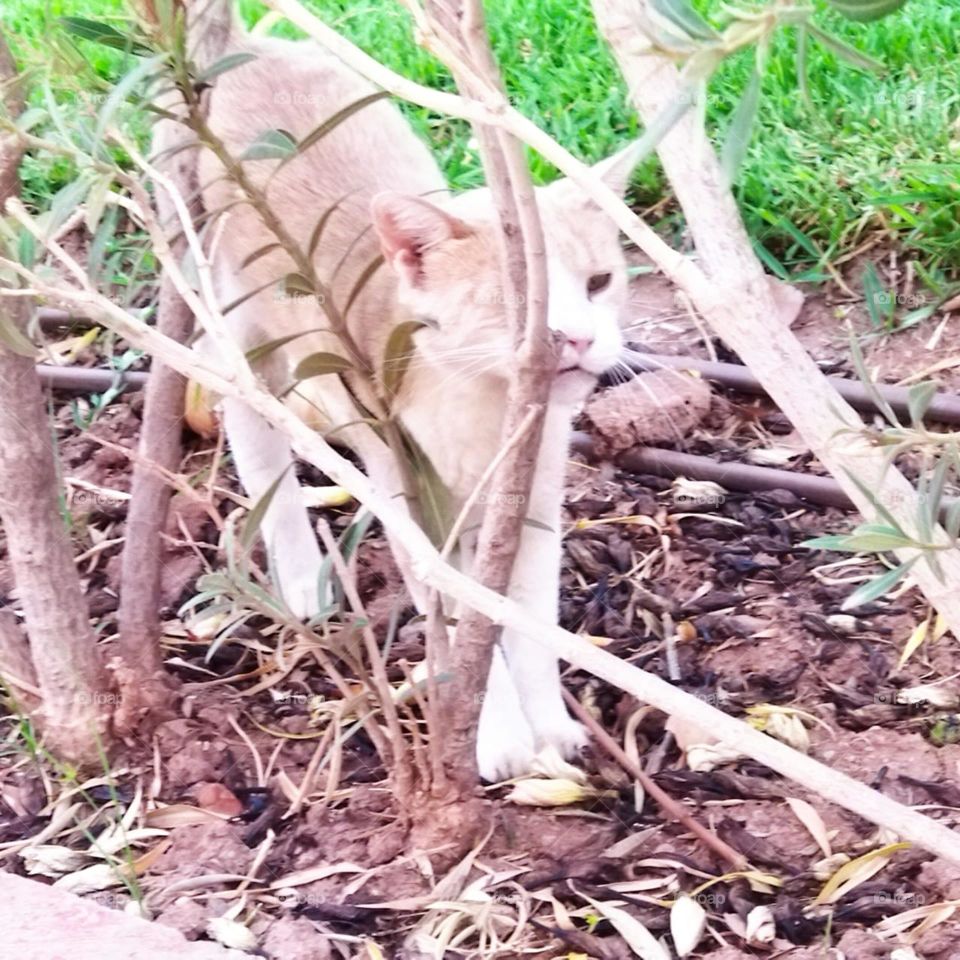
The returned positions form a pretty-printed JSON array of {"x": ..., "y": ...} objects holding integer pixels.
[{"x": 408, "y": 226}]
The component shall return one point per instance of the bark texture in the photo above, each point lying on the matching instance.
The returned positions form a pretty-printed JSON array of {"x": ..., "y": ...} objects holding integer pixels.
[
  {"x": 146, "y": 686},
  {"x": 76, "y": 701}
]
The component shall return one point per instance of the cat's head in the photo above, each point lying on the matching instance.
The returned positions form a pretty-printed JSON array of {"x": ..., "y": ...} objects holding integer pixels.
[{"x": 445, "y": 256}]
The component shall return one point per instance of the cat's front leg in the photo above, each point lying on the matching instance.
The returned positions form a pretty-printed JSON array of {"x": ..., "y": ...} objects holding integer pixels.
[
  {"x": 535, "y": 584},
  {"x": 262, "y": 455},
  {"x": 534, "y": 670}
]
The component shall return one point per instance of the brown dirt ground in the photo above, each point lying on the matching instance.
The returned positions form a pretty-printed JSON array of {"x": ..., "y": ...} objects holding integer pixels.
[{"x": 761, "y": 624}]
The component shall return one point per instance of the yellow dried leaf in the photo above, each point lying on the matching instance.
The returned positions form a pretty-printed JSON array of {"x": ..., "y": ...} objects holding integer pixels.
[
  {"x": 857, "y": 871},
  {"x": 913, "y": 644},
  {"x": 558, "y": 792}
]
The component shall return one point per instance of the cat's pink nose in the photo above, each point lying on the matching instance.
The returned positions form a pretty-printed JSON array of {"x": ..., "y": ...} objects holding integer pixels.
[{"x": 580, "y": 345}]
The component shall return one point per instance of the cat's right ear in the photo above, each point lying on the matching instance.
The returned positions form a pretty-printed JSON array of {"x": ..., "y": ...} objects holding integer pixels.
[{"x": 407, "y": 226}]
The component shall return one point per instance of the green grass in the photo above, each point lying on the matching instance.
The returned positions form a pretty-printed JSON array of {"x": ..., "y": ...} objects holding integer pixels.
[{"x": 870, "y": 151}]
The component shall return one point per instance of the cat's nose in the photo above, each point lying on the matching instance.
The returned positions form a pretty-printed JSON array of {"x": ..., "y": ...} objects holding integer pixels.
[{"x": 579, "y": 345}]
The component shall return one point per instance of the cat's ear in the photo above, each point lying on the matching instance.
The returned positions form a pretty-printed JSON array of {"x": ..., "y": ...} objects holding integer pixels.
[
  {"x": 615, "y": 171},
  {"x": 407, "y": 226}
]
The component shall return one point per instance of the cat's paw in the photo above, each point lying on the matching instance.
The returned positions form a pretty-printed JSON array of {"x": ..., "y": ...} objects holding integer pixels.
[
  {"x": 504, "y": 752},
  {"x": 299, "y": 587},
  {"x": 505, "y": 746},
  {"x": 560, "y": 731}
]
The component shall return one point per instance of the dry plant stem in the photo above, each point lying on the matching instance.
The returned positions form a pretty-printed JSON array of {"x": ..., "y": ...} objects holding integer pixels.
[
  {"x": 148, "y": 687},
  {"x": 669, "y": 806},
  {"x": 76, "y": 704},
  {"x": 783, "y": 367},
  {"x": 523, "y": 267},
  {"x": 429, "y": 568},
  {"x": 399, "y": 768}
]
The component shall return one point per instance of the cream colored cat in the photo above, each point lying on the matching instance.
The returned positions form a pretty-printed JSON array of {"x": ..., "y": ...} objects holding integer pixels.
[{"x": 441, "y": 264}]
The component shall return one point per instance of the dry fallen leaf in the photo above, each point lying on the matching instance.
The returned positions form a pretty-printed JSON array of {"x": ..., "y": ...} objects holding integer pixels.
[
  {"x": 761, "y": 927},
  {"x": 688, "y": 920},
  {"x": 558, "y": 792},
  {"x": 812, "y": 820},
  {"x": 231, "y": 934},
  {"x": 857, "y": 871}
]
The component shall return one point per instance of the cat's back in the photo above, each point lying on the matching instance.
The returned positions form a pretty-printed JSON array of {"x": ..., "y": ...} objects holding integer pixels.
[{"x": 295, "y": 86}]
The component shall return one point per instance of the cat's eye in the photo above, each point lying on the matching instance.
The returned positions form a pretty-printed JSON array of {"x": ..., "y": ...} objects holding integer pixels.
[{"x": 598, "y": 282}]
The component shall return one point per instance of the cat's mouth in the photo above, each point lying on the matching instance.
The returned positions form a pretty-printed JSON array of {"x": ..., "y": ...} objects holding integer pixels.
[{"x": 574, "y": 368}]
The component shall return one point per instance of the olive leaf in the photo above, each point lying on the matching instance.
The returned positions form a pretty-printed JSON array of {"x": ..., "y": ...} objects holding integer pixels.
[
  {"x": 878, "y": 587},
  {"x": 320, "y": 364},
  {"x": 331, "y": 123},
  {"x": 919, "y": 398},
  {"x": 866, "y": 10},
  {"x": 682, "y": 14},
  {"x": 229, "y": 62},
  {"x": 251, "y": 526},
  {"x": 398, "y": 354},
  {"x": 271, "y": 145},
  {"x": 103, "y": 34},
  {"x": 741, "y": 128},
  {"x": 368, "y": 271},
  {"x": 843, "y": 50},
  {"x": 263, "y": 350}
]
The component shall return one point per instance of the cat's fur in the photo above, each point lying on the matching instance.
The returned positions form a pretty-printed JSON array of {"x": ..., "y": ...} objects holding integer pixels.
[{"x": 442, "y": 263}]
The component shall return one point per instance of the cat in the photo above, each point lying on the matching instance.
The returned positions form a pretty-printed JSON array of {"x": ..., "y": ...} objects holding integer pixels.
[{"x": 440, "y": 264}]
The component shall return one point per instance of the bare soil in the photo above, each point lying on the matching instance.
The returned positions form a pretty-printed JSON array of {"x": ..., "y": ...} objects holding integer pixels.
[{"x": 758, "y": 621}]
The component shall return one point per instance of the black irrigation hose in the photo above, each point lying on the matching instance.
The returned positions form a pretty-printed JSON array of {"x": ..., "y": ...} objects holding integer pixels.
[
  {"x": 744, "y": 477},
  {"x": 84, "y": 379},
  {"x": 945, "y": 407}
]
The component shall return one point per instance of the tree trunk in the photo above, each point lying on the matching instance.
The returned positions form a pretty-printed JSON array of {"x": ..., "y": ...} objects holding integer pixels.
[
  {"x": 74, "y": 716},
  {"x": 146, "y": 685},
  {"x": 751, "y": 319}
]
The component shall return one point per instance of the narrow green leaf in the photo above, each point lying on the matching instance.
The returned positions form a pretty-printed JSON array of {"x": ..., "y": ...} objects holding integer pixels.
[
  {"x": 368, "y": 271},
  {"x": 321, "y": 224},
  {"x": 844, "y": 51},
  {"x": 951, "y": 520},
  {"x": 398, "y": 354},
  {"x": 296, "y": 284},
  {"x": 682, "y": 14},
  {"x": 271, "y": 145},
  {"x": 879, "y": 401},
  {"x": 229, "y": 62},
  {"x": 803, "y": 56},
  {"x": 741, "y": 128},
  {"x": 321, "y": 364},
  {"x": 864, "y": 11},
  {"x": 835, "y": 542},
  {"x": 880, "y": 304},
  {"x": 331, "y": 123},
  {"x": 263, "y": 350},
  {"x": 103, "y": 34},
  {"x": 258, "y": 253},
  {"x": 12, "y": 339},
  {"x": 251, "y": 526},
  {"x": 919, "y": 398},
  {"x": 878, "y": 587}
]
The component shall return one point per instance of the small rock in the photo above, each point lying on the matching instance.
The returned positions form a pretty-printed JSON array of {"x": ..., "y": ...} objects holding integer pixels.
[
  {"x": 292, "y": 938},
  {"x": 651, "y": 408},
  {"x": 219, "y": 799}
]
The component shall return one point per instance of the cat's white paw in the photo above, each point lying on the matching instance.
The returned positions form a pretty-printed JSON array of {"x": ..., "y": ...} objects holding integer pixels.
[
  {"x": 299, "y": 586},
  {"x": 504, "y": 750},
  {"x": 558, "y": 729},
  {"x": 505, "y": 745}
]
